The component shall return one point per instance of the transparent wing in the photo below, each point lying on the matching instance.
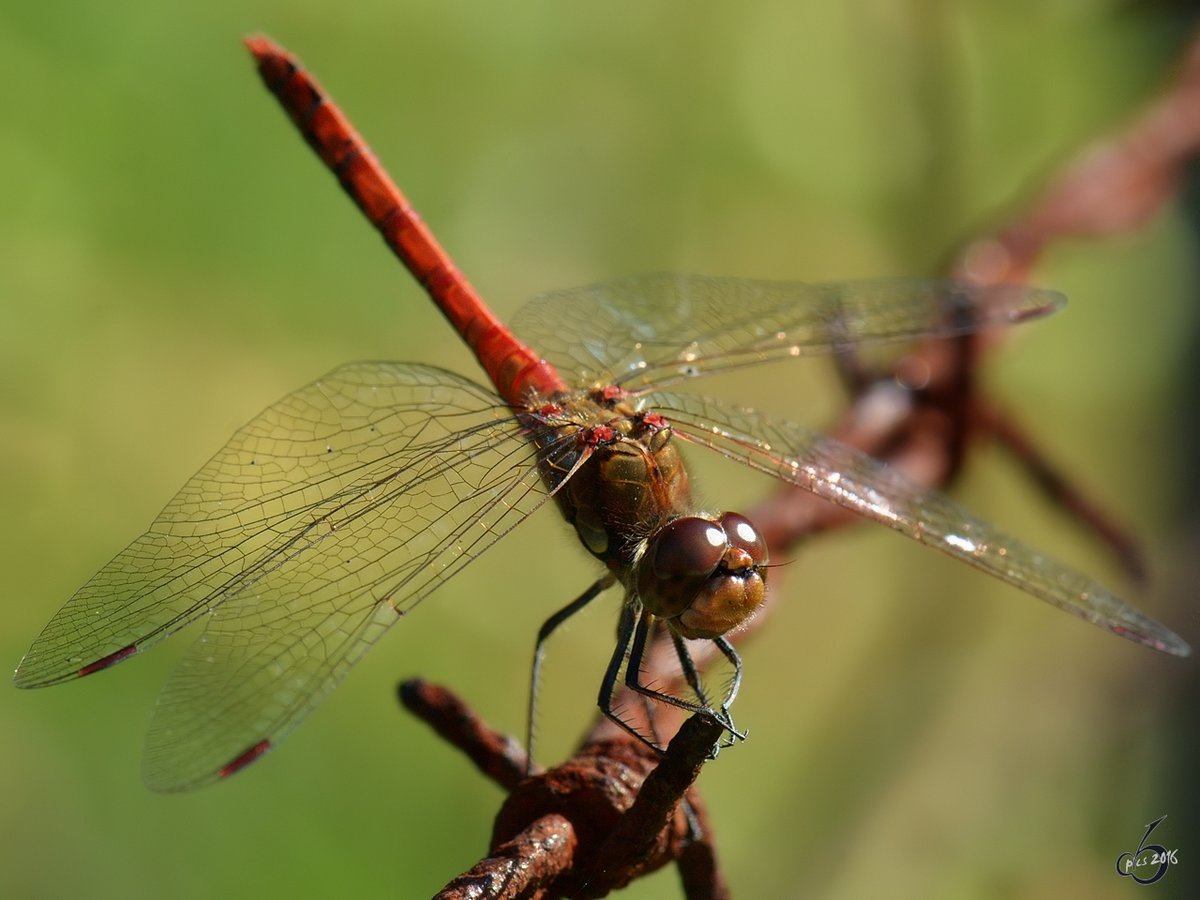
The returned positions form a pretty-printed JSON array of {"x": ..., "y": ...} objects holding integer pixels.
[
  {"x": 320, "y": 523},
  {"x": 654, "y": 330},
  {"x": 857, "y": 482}
]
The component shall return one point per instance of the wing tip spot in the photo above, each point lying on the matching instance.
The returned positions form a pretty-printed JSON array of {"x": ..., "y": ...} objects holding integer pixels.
[
  {"x": 1168, "y": 642},
  {"x": 243, "y": 759},
  {"x": 105, "y": 662}
]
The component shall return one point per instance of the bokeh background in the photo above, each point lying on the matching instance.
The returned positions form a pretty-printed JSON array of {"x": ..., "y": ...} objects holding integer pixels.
[{"x": 173, "y": 259}]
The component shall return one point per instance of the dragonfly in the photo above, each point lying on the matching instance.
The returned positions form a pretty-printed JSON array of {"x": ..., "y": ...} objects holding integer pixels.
[{"x": 334, "y": 512}]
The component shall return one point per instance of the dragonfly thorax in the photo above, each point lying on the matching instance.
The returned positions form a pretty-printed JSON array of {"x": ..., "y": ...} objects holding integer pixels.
[
  {"x": 626, "y": 478},
  {"x": 705, "y": 576}
]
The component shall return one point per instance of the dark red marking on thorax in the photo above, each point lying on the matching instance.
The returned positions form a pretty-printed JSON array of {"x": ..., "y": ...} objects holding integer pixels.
[
  {"x": 244, "y": 759},
  {"x": 515, "y": 370},
  {"x": 610, "y": 394},
  {"x": 596, "y": 435},
  {"x": 111, "y": 660}
]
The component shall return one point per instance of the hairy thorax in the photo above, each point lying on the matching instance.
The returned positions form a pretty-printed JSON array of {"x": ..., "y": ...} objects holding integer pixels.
[{"x": 629, "y": 480}]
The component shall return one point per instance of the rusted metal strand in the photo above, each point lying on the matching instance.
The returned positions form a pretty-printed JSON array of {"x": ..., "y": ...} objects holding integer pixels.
[
  {"x": 1058, "y": 487},
  {"x": 635, "y": 837},
  {"x": 522, "y": 867},
  {"x": 496, "y": 755},
  {"x": 604, "y": 818}
]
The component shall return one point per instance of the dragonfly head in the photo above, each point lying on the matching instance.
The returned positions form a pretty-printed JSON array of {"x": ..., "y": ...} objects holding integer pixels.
[{"x": 704, "y": 576}]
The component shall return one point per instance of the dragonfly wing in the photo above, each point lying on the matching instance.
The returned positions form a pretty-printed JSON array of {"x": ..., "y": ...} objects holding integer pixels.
[
  {"x": 353, "y": 490},
  {"x": 321, "y": 523},
  {"x": 265, "y": 660},
  {"x": 853, "y": 480},
  {"x": 651, "y": 331}
]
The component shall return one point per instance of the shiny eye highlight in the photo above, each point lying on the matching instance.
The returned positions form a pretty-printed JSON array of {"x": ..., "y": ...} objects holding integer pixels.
[
  {"x": 741, "y": 533},
  {"x": 687, "y": 547}
]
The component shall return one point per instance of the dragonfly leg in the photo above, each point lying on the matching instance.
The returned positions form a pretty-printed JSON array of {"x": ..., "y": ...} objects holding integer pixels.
[
  {"x": 539, "y": 652},
  {"x": 689, "y": 668},
  {"x": 633, "y": 673},
  {"x": 735, "y": 684},
  {"x": 627, "y": 634},
  {"x": 633, "y": 631}
]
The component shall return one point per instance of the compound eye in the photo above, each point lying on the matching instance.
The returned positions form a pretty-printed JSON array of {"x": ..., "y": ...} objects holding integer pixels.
[
  {"x": 688, "y": 547},
  {"x": 741, "y": 533}
]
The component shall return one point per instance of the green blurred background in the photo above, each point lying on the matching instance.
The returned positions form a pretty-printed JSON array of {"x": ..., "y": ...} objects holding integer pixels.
[{"x": 172, "y": 259}]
